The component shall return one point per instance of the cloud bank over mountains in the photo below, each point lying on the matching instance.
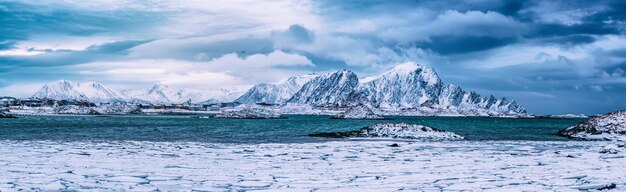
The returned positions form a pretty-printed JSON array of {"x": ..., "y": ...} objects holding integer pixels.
[{"x": 551, "y": 56}]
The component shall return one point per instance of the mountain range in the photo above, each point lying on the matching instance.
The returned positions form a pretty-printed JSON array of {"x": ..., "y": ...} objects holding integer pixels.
[
  {"x": 157, "y": 94},
  {"x": 405, "y": 87}
]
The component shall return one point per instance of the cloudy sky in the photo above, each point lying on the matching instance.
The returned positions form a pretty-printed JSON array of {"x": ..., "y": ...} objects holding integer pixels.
[{"x": 550, "y": 56}]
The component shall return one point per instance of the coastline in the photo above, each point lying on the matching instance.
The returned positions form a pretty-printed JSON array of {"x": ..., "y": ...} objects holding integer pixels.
[{"x": 333, "y": 165}]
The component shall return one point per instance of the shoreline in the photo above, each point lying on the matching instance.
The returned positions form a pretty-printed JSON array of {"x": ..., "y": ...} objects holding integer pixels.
[{"x": 336, "y": 165}]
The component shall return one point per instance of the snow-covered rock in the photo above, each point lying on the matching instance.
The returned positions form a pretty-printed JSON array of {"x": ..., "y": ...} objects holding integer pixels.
[
  {"x": 358, "y": 112},
  {"x": 275, "y": 93},
  {"x": 611, "y": 126},
  {"x": 300, "y": 109},
  {"x": 112, "y": 109},
  {"x": 612, "y": 149},
  {"x": 6, "y": 115},
  {"x": 87, "y": 91},
  {"x": 569, "y": 116},
  {"x": 248, "y": 112},
  {"x": 327, "y": 90},
  {"x": 399, "y": 131}
]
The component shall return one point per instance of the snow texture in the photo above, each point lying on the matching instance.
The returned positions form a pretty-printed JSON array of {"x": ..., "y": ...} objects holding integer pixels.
[
  {"x": 328, "y": 166},
  {"x": 611, "y": 126}
]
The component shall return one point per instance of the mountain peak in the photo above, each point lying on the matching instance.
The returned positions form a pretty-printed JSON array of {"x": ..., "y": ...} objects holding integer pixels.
[
  {"x": 406, "y": 67},
  {"x": 327, "y": 90},
  {"x": 159, "y": 87},
  {"x": 277, "y": 92},
  {"x": 68, "y": 90}
]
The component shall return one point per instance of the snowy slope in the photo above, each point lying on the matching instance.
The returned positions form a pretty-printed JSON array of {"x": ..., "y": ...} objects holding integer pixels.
[
  {"x": 453, "y": 97},
  {"x": 327, "y": 90},
  {"x": 405, "y": 85},
  {"x": 275, "y": 93},
  {"x": 87, "y": 91}
]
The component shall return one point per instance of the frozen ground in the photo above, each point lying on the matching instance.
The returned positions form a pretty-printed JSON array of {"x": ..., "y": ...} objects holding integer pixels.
[{"x": 330, "y": 166}]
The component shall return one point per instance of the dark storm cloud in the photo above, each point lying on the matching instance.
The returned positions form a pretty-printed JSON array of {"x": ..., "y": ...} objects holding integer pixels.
[
  {"x": 569, "y": 40},
  {"x": 447, "y": 45},
  {"x": 601, "y": 21},
  {"x": 551, "y": 30}
]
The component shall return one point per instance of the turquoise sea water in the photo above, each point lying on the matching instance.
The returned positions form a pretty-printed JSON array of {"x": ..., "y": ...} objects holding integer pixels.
[{"x": 293, "y": 129}]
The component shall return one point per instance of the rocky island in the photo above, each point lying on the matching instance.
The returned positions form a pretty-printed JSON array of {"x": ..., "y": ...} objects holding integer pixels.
[
  {"x": 249, "y": 113},
  {"x": 396, "y": 131},
  {"x": 610, "y": 127}
]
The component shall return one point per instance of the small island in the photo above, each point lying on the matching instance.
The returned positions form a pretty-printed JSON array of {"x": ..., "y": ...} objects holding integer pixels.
[
  {"x": 608, "y": 127},
  {"x": 248, "y": 112},
  {"x": 395, "y": 131}
]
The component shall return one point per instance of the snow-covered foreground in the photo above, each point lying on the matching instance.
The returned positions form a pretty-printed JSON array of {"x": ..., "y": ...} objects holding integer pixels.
[{"x": 334, "y": 166}]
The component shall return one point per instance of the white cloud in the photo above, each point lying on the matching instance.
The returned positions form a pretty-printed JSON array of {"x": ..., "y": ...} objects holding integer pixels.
[
  {"x": 554, "y": 12},
  {"x": 451, "y": 22},
  {"x": 20, "y": 52},
  {"x": 596, "y": 88},
  {"x": 585, "y": 58},
  {"x": 64, "y": 42},
  {"x": 224, "y": 71}
]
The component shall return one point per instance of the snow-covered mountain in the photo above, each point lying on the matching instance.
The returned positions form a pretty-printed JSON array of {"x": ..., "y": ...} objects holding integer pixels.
[
  {"x": 275, "y": 93},
  {"x": 157, "y": 94},
  {"x": 405, "y": 87},
  {"x": 327, "y": 90},
  {"x": 453, "y": 97},
  {"x": 164, "y": 94},
  {"x": 87, "y": 91}
]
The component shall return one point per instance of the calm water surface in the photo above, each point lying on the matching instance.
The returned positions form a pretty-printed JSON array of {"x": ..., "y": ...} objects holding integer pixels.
[{"x": 293, "y": 129}]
